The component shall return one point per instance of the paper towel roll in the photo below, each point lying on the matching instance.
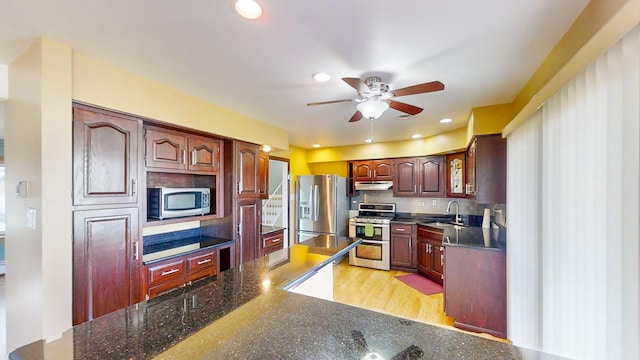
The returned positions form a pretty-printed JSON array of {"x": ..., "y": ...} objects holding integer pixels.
[{"x": 486, "y": 219}]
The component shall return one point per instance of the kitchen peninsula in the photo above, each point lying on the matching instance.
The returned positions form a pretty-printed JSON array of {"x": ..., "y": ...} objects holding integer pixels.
[{"x": 245, "y": 314}]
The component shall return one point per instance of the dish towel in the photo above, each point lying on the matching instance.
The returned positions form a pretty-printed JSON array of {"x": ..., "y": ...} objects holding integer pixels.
[{"x": 368, "y": 230}]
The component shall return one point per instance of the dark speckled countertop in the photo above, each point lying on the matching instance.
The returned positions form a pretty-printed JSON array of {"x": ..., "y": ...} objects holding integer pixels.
[
  {"x": 471, "y": 234},
  {"x": 245, "y": 314}
]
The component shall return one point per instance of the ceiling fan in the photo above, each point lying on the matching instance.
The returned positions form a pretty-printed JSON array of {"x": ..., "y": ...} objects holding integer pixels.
[{"x": 374, "y": 97}]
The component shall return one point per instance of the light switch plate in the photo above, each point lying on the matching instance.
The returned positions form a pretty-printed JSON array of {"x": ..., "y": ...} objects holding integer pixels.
[{"x": 31, "y": 218}]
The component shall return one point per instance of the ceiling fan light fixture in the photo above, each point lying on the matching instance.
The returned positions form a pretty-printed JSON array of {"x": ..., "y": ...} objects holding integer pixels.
[
  {"x": 248, "y": 9},
  {"x": 372, "y": 109}
]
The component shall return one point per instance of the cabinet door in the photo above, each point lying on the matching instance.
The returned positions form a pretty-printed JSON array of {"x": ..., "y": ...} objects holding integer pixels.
[
  {"x": 382, "y": 170},
  {"x": 105, "y": 158},
  {"x": 432, "y": 176},
  {"x": 362, "y": 170},
  {"x": 424, "y": 257},
  {"x": 490, "y": 173},
  {"x": 470, "y": 188},
  {"x": 437, "y": 258},
  {"x": 264, "y": 175},
  {"x": 106, "y": 265},
  {"x": 204, "y": 154},
  {"x": 404, "y": 183},
  {"x": 248, "y": 223},
  {"x": 165, "y": 150},
  {"x": 402, "y": 250},
  {"x": 456, "y": 175},
  {"x": 247, "y": 170}
]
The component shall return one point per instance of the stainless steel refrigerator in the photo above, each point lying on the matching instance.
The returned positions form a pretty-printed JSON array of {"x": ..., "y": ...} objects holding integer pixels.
[{"x": 323, "y": 207}]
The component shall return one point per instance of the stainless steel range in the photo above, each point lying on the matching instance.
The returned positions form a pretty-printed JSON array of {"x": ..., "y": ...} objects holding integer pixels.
[{"x": 373, "y": 226}]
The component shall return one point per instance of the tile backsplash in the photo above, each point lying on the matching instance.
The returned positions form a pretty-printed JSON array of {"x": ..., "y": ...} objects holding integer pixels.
[{"x": 428, "y": 205}]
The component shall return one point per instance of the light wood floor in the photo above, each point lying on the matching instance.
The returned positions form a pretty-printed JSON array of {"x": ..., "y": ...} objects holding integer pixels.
[{"x": 380, "y": 291}]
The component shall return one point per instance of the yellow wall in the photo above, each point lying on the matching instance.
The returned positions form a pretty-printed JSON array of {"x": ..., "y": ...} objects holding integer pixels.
[
  {"x": 442, "y": 143},
  {"x": 102, "y": 84},
  {"x": 334, "y": 167},
  {"x": 38, "y": 150}
]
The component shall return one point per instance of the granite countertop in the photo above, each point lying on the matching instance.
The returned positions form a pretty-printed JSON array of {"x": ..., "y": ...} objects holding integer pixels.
[
  {"x": 469, "y": 234},
  {"x": 245, "y": 314},
  {"x": 267, "y": 229}
]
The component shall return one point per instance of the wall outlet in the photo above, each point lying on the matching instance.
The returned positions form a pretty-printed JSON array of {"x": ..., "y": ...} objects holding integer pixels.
[
  {"x": 31, "y": 218},
  {"x": 420, "y": 203},
  {"x": 434, "y": 202}
]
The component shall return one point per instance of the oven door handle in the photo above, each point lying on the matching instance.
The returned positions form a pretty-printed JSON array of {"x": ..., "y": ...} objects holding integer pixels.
[{"x": 379, "y": 242}]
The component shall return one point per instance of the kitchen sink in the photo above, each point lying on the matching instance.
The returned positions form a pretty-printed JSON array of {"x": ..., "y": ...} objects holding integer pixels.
[{"x": 446, "y": 224}]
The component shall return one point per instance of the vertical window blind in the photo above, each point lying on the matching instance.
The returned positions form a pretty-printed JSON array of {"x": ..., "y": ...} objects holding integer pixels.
[{"x": 573, "y": 200}]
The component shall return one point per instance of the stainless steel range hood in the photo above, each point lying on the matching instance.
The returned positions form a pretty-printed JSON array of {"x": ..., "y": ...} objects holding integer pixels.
[{"x": 373, "y": 185}]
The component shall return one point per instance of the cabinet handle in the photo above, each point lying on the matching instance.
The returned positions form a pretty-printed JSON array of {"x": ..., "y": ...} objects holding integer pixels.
[
  {"x": 400, "y": 230},
  {"x": 415, "y": 188},
  {"x": 135, "y": 250},
  {"x": 169, "y": 272},
  {"x": 409, "y": 243},
  {"x": 204, "y": 261},
  {"x": 184, "y": 156},
  {"x": 133, "y": 187},
  {"x": 275, "y": 240},
  {"x": 441, "y": 260},
  {"x": 194, "y": 157}
]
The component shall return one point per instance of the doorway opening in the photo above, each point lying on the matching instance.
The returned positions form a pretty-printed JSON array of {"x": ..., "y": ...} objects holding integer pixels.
[{"x": 275, "y": 209}]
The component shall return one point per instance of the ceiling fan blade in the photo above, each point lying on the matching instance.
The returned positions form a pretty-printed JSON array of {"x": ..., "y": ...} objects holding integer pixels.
[
  {"x": 357, "y": 84},
  {"x": 405, "y": 108},
  {"x": 329, "y": 102},
  {"x": 356, "y": 117},
  {"x": 419, "y": 89}
]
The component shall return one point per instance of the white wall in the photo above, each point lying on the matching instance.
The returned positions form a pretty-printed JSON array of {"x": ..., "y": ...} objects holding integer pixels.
[{"x": 38, "y": 150}]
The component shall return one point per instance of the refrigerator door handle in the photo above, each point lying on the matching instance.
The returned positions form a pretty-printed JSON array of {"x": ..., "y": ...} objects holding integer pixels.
[{"x": 315, "y": 203}]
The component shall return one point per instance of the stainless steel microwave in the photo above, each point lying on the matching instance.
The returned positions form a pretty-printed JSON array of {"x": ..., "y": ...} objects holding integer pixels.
[{"x": 164, "y": 202}]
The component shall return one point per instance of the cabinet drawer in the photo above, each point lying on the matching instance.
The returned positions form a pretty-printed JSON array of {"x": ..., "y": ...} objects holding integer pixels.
[
  {"x": 164, "y": 287},
  {"x": 430, "y": 233},
  {"x": 401, "y": 228},
  {"x": 201, "y": 274},
  {"x": 167, "y": 271},
  {"x": 272, "y": 240},
  {"x": 201, "y": 261}
]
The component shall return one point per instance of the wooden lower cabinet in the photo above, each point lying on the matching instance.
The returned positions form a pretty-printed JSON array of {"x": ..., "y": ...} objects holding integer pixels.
[
  {"x": 403, "y": 247},
  {"x": 475, "y": 294},
  {"x": 271, "y": 242},
  {"x": 106, "y": 265},
  {"x": 248, "y": 229},
  {"x": 430, "y": 253},
  {"x": 167, "y": 275}
]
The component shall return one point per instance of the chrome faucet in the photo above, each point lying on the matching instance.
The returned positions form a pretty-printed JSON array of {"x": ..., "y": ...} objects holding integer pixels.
[{"x": 458, "y": 219}]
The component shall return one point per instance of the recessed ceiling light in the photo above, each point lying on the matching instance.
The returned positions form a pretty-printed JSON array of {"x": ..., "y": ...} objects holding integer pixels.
[
  {"x": 266, "y": 148},
  {"x": 368, "y": 141},
  {"x": 316, "y": 145},
  {"x": 416, "y": 136},
  {"x": 445, "y": 121},
  {"x": 321, "y": 77},
  {"x": 248, "y": 9}
]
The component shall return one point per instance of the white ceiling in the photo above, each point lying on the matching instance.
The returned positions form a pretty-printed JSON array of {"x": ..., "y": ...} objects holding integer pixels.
[{"x": 483, "y": 51}]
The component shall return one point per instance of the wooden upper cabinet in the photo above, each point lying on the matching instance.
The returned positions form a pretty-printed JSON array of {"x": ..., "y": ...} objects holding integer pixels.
[
  {"x": 406, "y": 177},
  {"x": 373, "y": 170},
  {"x": 247, "y": 169},
  {"x": 165, "y": 150},
  {"x": 456, "y": 175},
  {"x": 422, "y": 176},
  {"x": 105, "y": 158},
  {"x": 204, "y": 154},
  {"x": 487, "y": 169},
  {"x": 263, "y": 178},
  {"x": 431, "y": 170},
  {"x": 168, "y": 150}
]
